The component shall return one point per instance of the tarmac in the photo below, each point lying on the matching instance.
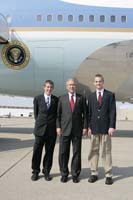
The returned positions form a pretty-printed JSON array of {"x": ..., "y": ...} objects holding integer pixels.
[{"x": 16, "y": 144}]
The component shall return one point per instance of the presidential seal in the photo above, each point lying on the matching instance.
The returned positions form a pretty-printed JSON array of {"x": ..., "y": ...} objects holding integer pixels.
[{"x": 15, "y": 55}]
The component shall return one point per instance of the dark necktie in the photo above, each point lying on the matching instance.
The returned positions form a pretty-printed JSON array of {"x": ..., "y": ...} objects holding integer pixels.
[
  {"x": 99, "y": 98},
  {"x": 72, "y": 103},
  {"x": 48, "y": 102}
]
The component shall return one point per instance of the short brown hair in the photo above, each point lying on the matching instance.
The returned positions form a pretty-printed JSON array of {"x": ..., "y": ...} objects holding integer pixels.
[
  {"x": 100, "y": 75},
  {"x": 50, "y": 82}
]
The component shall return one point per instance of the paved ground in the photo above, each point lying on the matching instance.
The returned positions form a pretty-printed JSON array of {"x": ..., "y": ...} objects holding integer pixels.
[{"x": 16, "y": 142}]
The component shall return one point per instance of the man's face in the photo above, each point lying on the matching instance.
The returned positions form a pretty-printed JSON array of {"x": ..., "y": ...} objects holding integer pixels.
[
  {"x": 98, "y": 82},
  {"x": 71, "y": 86},
  {"x": 48, "y": 88}
]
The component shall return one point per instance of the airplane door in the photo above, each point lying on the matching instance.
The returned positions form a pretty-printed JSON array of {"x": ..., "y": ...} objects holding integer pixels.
[
  {"x": 4, "y": 32},
  {"x": 49, "y": 65}
]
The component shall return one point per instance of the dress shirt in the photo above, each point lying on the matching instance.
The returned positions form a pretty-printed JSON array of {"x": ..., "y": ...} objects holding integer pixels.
[
  {"x": 97, "y": 92},
  {"x": 74, "y": 97},
  {"x": 46, "y": 97}
]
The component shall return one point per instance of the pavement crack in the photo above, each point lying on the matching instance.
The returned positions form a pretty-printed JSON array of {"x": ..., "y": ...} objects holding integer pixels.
[{"x": 16, "y": 163}]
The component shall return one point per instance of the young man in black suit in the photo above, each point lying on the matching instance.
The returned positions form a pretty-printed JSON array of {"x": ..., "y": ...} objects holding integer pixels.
[
  {"x": 45, "y": 111},
  {"x": 71, "y": 124},
  {"x": 101, "y": 123}
]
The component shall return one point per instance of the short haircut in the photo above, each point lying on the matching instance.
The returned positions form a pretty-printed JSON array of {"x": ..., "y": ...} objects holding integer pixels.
[
  {"x": 50, "y": 82},
  {"x": 71, "y": 79},
  {"x": 100, "y": 76}
]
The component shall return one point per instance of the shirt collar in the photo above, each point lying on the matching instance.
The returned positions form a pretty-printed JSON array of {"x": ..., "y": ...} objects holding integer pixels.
[
  {"x": 97, "y": 92},
  {"x": 102, "y": 90},
  {"x": 74, "y": 94},
  {"x": 45, "y": 96}
]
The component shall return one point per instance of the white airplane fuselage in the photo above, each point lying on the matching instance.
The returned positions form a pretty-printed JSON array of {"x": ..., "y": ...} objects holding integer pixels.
[{"x": 72, "y": 47}]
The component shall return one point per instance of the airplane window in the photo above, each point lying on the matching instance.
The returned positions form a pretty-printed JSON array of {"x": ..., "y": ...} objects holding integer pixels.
[
  {"x": 112, "y": 18},
  {"x": 49, "y": 18},
  {"x": 70, "y": 18},
  {"x": 102, "y": 18},
  {"x": 60, "y": 18},
  {"x": 123, "y": 19},
  {"x": 81, "y": 18},
  {"x": 39, "y": 18},
  {"x": 9, "y": 19},
  {"x": 91, "y": 18}
]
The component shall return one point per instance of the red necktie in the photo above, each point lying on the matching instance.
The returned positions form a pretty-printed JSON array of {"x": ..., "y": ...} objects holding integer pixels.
[
  {"x": 72, "y": 103},
  {"x": 99, "y": 98}
]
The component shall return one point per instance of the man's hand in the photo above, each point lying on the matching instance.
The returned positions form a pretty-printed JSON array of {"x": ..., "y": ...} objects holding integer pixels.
[
  {"x": 59, "y": 131},
  {"x": 89, "y": 132},
  {"x": 111, "y": 131},
  {"x": 84, "y": 132}
]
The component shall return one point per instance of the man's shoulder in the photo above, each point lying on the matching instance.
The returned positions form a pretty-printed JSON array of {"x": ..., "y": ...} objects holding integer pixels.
[
  {"x": 109, "y": 92},
  {"x": 64, "y": 96},
  {"x": 54, "y": 97},
  {"x": 92, "y": 94},
  {"x": 79, "y": 95},
  {"x": 39, "y": 96}
]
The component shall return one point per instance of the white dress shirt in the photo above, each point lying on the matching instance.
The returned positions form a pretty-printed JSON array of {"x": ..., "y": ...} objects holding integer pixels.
[
  {"x": 97, "y": 92},
  {"x": 74, "y": 97},
  {"x": 46, "y": 98}
]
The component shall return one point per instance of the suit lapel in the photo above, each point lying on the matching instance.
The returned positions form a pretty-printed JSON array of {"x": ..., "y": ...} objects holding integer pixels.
[
  {"x": 52, "y": 102},
  {"x": 76, "y": 102},
  {"x": 43, "y": 101},
  {"x": 68, "y": 103},
  {"x": 95, "y": 99},
  {"x": 103, "y": 97}
]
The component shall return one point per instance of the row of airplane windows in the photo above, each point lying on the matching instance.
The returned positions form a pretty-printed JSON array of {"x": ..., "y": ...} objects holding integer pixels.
[{"x": 81, "y": 18}]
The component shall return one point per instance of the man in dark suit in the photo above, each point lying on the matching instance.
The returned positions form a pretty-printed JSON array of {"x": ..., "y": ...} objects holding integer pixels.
[
  {"x": 101, "y": 123},
  {"x": 71, "y": 124},
  {"x": 45, "y": 111}
]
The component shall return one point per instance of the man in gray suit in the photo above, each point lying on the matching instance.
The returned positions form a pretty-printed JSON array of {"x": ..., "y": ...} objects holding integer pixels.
[
  {"x": 101, "y": 123},
  {"x": 45, "y": 110},
  {"x": 71, "y": 124}
]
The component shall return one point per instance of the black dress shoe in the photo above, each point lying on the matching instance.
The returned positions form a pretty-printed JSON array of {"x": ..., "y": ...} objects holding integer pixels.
[
  {"x": 34, "y": 177},
  {"x": 64, "y": 179},
  {"x": 109, "y": 181},
  {"x": 75, "y": 179},
  {"x": 93, "y": 178},
  {"x": 47, "y": 177}
]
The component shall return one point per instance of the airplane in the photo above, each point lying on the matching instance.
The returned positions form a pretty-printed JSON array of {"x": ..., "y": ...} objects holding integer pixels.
[{"x": 59, "y": 39}]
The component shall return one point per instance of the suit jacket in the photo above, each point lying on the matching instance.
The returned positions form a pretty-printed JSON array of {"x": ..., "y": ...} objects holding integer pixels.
[
  {"x": 101, "y": 118},
  {"x": 68, "y": 121},
  {"x": 45, "y": 118}
]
